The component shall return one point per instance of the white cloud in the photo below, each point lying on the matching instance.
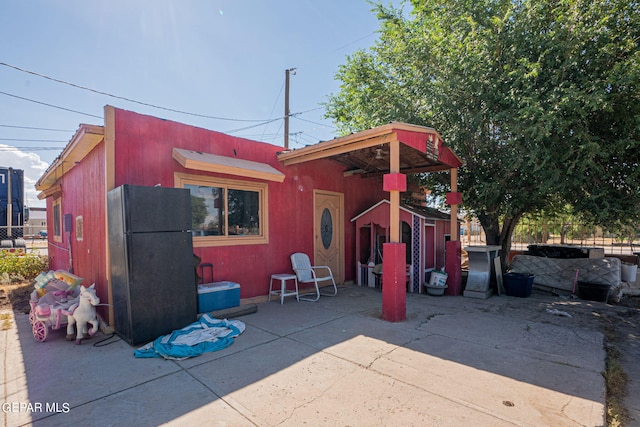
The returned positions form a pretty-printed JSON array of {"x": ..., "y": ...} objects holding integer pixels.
[{"x": 32, "y": 166}]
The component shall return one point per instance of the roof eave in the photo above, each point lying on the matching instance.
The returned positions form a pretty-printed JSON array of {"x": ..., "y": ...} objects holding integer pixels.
[
  {"x": 84, "y": 140},
  {"x": 431, "y": 145}
]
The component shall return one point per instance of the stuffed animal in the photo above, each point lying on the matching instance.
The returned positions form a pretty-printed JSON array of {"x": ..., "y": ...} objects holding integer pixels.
[{"x": 82, "y": 313}]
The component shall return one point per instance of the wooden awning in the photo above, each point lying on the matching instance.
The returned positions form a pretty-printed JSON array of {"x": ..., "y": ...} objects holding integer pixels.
[
  {"x": 367, "y": 152},
  {"x": 228, "y": 165}
]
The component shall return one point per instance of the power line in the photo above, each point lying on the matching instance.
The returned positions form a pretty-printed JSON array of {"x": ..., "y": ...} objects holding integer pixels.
[
  {"x": 253, "y": 126},
  {"x": 355, "y": 41},
  {"x": 262, "y": 123},
  {"x": 31, "y": 140},
  {"x": 260, "y": 136},
  {"x": 274, "y": 105},
  {"x": 35, "y": 128},
  {"x": 50, "y": 105},
  {"x": 100, "y": 117},
  {"x": 11, "y": 148},
  {"x": 278, "y": 131},
  {"x": 126, "y": 99},
  {"x": 307, "y": 111},
  {"x": 315, "y": 123},
  {"x": 301, "y": 136}
]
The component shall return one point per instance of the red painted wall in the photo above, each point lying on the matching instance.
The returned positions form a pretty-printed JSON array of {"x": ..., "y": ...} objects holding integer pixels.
[
  {"x": 83, "y": 195},
  {"x": 442, "y": 228},
  {"x": 143, "y": 156}
]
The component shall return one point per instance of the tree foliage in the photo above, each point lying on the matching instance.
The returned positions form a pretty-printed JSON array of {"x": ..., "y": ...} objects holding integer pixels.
[{"x": 540, "y": 98}]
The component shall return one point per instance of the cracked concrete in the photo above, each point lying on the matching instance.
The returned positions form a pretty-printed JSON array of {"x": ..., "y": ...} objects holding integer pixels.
[{"x": 455, "y": 361}]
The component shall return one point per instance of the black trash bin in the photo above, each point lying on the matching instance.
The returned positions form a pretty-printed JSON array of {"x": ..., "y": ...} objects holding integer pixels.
[{"x": 518, "y": 284}]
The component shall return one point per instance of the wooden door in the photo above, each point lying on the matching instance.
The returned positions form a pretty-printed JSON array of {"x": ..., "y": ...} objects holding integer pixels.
[{"x": 328, "y": 222}]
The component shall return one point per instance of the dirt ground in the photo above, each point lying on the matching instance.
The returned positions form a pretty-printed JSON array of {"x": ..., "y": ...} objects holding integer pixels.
[{"x": 16, "y": 296}]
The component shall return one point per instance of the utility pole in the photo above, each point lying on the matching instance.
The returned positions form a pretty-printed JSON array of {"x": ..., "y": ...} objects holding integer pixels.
[{"x": 286, "y": 106}]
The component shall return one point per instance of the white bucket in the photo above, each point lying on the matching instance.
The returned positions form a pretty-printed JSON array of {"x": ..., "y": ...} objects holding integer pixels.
[
  {"x": 438, "y": 278},
  {"x": 628, "y": 272}
]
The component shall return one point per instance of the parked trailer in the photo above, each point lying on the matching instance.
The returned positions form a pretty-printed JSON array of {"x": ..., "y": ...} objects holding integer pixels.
[{"x": 13, "y": 212}]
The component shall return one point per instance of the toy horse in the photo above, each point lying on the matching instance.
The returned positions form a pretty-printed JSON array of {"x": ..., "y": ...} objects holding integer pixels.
[{"x": 83, "y": 312}]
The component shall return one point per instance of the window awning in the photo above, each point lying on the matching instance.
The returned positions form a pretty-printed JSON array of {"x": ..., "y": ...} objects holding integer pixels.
[{"x": 229, "y": 165}]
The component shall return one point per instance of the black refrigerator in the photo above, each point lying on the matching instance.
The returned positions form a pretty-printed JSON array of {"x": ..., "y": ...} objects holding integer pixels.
[{"x": 152, "y": 262}]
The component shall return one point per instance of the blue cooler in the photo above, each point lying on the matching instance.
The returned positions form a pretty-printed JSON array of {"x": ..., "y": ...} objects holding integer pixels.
[{"x": 218, "y": 296}]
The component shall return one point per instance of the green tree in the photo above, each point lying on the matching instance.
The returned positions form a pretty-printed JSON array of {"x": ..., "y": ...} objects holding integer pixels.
[
  {"x": 540, "y": 98},
  {"x": 198, "y": 212}
]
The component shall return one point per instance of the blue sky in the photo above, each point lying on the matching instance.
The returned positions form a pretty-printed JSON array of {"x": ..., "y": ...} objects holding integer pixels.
[{"x": 219, "y": 58}]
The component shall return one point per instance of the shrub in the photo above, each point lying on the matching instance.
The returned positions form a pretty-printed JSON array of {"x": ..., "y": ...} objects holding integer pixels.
[{"x": 19, "y": 266}]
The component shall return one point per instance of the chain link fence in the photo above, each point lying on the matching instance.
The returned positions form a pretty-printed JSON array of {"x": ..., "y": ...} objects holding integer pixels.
[
  {"x": 27, "y": 233},
  {"x": 558, "y": 232}
]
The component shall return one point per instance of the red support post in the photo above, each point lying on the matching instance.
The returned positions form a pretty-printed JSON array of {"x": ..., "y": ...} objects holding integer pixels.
[
  {"x": 394, "y": 182},
  {"x": 453, "y": 267},
  {"x": 453, "y": 263},
  {"x": 394, "y": 282}
]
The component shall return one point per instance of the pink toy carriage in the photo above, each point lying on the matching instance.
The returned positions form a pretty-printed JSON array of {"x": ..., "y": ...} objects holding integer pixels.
[{"x": 51, "y": 308}]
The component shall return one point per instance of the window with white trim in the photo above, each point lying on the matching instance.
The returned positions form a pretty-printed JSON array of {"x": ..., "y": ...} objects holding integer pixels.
[{"x": 226, "y": 212}]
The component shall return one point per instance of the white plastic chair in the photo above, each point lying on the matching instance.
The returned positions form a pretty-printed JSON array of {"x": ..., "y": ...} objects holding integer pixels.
[{"x": 312, "y": 274}]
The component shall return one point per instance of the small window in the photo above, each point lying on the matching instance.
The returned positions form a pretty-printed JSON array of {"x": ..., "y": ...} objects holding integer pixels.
[
  {"x": 226, "y": 212},
  {"x": 57, "y": 220},
  {"x": 79, "y": 228}
]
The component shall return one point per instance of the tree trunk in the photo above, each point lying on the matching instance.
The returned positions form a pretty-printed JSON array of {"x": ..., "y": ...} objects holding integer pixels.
[
  {"x": 499, "y": 236},
  {"x": 508, "y": 228}
]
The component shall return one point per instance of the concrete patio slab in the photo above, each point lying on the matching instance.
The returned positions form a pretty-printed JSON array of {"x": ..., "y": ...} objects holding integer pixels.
[{"x": 500, "y": 361}]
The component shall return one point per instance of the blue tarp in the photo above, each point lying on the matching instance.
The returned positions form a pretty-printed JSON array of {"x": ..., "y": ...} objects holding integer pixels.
[{"x": 206, "y": 335}]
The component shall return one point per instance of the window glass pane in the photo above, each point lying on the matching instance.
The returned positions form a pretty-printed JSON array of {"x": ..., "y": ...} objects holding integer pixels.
[
  {"x": 243, "y": 213},
  {"x": 207, "y": 210},
  {"x": 225, "y": 212},
  {"x": 57, "y": 220}
]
